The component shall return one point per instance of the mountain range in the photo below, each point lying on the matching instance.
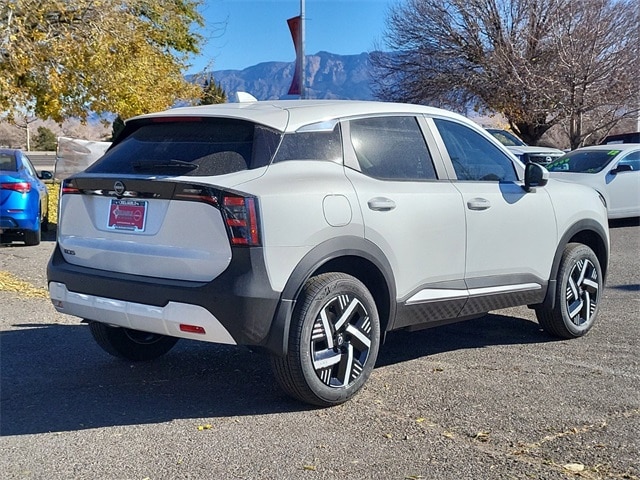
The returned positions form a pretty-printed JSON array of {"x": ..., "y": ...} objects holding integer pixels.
[{"x": 328, "y": 76}]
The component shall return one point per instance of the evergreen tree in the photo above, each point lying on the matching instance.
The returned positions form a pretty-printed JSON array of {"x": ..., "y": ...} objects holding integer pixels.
[
  {"x": 118, "y": 126},
  {"x": 45, "y": 140},
  {"x": 212, "y": 93}
]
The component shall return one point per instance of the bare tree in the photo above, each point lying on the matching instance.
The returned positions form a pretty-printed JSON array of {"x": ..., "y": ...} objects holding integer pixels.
[
  {"x": 597, "y": 64},
  {"x": 537, "y": 62}
]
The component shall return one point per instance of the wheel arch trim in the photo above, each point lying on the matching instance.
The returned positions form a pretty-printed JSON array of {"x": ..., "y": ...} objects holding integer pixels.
[
  {"x": 577, "y": 232},
  {"x": 313, "y": 262}
]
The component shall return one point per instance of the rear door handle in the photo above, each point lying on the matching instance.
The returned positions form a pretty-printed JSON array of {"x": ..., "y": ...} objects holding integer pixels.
[
  {"x": 381, "y": 204},
  {"x": 478, "y": 204}
]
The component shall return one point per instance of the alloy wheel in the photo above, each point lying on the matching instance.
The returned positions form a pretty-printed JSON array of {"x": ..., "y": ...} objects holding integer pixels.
[
  {"x": 582, "y": 292},
  {"x": 340, "y": 341}
]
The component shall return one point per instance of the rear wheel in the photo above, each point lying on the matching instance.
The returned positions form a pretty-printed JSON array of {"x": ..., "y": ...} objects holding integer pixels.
[
  {"x": 132, "y": 345},
  {"x": 333, "y": 342},
  {"x": 578, "y": 291},
  {"x": 32, "y": 237},
  {"x": 45, "y": 223}
]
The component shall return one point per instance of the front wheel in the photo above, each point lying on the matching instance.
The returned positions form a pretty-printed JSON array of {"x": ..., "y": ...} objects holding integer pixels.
[
  {"x": 132, "y": 345},
  {"x": 333, "y": 342},
  {"x": 577, "y": 297}
]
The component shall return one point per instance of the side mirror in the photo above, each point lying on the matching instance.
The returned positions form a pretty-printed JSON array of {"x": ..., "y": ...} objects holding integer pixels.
[
  {"x": 625, "y": 167},
  {"x": 535, "y": 175},
  {"x": 45, "y": 175}
]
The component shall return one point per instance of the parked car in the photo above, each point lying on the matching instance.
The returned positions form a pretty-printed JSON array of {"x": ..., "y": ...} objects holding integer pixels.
[
  {"x": 24, "y": 202},
  {"x": 525, "y": 153},
  {"x": 613, "y": 170},
  {"x": 629, "y": 137},
  {"x": 311, "y": 229}
]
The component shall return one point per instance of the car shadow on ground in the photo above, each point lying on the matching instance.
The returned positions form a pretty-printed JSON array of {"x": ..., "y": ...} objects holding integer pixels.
[
  {"x": 7, "y": 240},
  {"x": 55, "y": 378}
]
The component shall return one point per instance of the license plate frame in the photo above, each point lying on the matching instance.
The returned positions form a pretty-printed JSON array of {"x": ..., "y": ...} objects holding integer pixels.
[{"x": 127, "y": 215}]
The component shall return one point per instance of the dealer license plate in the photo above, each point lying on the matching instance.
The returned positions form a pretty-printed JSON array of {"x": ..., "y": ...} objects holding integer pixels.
[{"x": 128, "y": 215}]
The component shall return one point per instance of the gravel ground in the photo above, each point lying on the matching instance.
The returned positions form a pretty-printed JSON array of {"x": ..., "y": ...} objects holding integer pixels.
[{"x": 493, "y": 398}]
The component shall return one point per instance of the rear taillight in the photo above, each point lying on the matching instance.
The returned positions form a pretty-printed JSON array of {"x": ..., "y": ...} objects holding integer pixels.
[
  {"x": 20, "y": 187},
  {"x": 241, "y": 218},
  {"x": 68, "y": 187}
]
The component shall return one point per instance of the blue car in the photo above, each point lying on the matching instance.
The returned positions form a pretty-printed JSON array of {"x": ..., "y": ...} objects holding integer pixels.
[{"x": 24, "y": 202}]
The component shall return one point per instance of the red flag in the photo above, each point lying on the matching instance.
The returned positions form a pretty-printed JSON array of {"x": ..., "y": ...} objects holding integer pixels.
[{"x": 294, "y": 28}]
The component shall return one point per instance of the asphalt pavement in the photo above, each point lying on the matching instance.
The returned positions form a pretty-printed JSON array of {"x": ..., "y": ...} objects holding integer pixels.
[{"x": 494, "y": 398}]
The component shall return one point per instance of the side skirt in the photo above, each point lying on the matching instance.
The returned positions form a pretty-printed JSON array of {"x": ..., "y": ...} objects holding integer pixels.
[{"x": 434, "y": 307}]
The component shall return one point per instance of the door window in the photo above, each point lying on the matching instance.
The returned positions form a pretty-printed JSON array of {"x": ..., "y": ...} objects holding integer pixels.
[
  {"x": 391, "y": 148},
  {"x": 633, "y": 159},
  {"x": 473, "y": 156}
]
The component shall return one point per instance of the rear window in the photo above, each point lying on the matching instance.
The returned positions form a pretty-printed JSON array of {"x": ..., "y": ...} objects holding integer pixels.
[
  {"x": 193, "y": 147},
  {"x": 8, "y": 162}
]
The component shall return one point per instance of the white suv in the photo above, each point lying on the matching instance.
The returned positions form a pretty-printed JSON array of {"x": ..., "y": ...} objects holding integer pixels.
[{"x": 310, "y": 229}]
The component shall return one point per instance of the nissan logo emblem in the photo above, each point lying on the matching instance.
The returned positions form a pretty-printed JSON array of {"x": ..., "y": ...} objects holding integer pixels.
[{"x": 118, "y": 187}]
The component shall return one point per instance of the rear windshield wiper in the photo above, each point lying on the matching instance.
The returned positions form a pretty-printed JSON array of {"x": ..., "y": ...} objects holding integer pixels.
[{"x": 168, "y": 165}]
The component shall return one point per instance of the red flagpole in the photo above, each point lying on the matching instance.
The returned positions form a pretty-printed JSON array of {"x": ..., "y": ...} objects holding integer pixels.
[{"x": 296, "y": 27}]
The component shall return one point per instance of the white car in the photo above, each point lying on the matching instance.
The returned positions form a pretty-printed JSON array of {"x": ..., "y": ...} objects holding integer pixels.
[
  {"x": 311, "y": 229},
  {"x": 523, "y": 152},
  {"x": 613, "y": 170}
]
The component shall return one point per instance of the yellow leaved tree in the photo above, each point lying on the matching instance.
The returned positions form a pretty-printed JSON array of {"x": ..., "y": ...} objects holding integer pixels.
[{"x": 63, "y": 58}]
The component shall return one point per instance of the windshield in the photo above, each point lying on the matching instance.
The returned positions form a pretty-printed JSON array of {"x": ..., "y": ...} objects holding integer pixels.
[
  {"x": 190, "y": 146},
  {"x": 583, "y": 161},
  {"x": 506, "y": 138}
]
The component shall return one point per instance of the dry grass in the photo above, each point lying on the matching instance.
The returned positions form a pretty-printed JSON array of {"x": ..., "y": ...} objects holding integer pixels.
[
  {"x": 11, "y": 283},
  {"x": 54, "y": 193}
]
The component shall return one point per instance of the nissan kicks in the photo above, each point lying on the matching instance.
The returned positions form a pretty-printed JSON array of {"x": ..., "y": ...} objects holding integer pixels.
[{"x": 311, "y": 229}]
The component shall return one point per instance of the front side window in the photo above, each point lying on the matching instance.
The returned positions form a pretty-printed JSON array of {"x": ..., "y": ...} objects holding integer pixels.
[
  {"x": 28, "y": 166},
  {"x": 633, "y": 160},
  {"x": 190, "y": 146},
  {"x": 391, "y": 148},
  {"x": 473, "y": 156}
]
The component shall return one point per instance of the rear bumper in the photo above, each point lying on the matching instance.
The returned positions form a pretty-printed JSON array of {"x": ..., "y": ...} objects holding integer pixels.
[
  {"x": 19, "y": 221},
  {"x": 237, "y": 307}
]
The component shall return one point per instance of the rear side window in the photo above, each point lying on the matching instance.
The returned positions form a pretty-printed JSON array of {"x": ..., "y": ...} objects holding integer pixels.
[
  {"x": 473, "y": 156},
  {"x": 192, "y": 147},
  {"x": 391, "y": 148},
  {"x": 312, "y": 145},
  {"x": 8, "y": 162}
]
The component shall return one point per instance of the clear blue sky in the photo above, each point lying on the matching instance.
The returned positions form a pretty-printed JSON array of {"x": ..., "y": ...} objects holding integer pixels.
[{"x": 242, "y": 33}]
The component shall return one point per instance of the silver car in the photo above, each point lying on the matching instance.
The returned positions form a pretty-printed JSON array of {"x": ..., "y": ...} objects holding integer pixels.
[
  {"x": 311, "y": 229},
  {"x": 525, "y": 153}
]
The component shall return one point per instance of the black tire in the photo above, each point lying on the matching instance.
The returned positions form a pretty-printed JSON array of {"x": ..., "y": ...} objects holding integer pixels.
[
  {"x": 577, "y": 297},
  {"x": 132, "y": 345},
  {"x": 333, "y": 341},
  {"x": 32, "y": 237},
  {"x": 45, "y": 223}
]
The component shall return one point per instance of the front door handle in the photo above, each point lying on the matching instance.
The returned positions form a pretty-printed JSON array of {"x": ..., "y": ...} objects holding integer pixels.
[
  {"x": 478, "y": 204},
  {"x": 381, "y": 204}
]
